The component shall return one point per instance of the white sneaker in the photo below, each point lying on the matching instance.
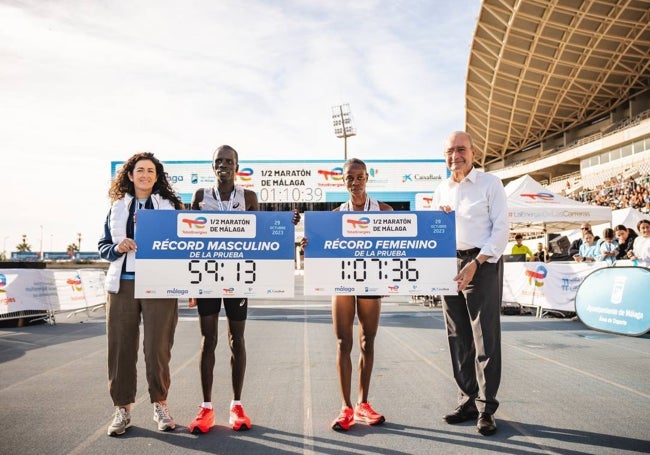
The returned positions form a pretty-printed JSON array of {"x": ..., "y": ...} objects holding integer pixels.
[
  {"x": 162, "y": 416},
  {"x": 121, "y": 421}
]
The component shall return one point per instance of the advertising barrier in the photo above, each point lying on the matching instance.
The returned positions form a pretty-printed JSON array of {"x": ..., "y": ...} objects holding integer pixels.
[
  {"x": 551, "y": 285},
  {"x": 54, "y": 291},
  {"x": 615, "y": 300}
]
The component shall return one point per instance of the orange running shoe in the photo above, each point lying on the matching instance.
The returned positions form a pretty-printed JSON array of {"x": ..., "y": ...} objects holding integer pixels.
[
  {"x": 238, "y": 418},
  {"x": 363, "y": 412},
  {"x": 203, "y": 421},
  {"x": 344, "y": 421}
]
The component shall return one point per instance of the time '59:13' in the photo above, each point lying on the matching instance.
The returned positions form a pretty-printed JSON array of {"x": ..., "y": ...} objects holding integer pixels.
[
  {"x": 225, "y": 271},
  {"x": 383, "y": 269}
]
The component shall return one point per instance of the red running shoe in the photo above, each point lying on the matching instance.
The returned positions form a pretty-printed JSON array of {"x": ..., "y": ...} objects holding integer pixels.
[
  {"x": 363, "y": 412},
  {"x": 238, "y": 418},
  {"x": 344, "y": 421},
  {"x": 203, "y": 421}
]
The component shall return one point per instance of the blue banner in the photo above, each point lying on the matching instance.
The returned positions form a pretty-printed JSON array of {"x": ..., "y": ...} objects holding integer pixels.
[
  {"x": 214, "y": 254},
  {"x": 615, "y": 300},
  {"x": 425, "y": 234},
  {"x": 380, "y": 253},
  {"x": 169, "y": 234}
]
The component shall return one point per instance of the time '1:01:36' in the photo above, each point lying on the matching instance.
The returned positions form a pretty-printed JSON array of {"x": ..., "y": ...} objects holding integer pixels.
[{"x": 357, "y": 269}]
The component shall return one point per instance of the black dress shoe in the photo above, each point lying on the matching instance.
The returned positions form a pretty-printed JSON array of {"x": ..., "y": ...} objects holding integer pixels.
[
  {"x": 462, "y": 414},
  {"x": 486, "y": 424}
]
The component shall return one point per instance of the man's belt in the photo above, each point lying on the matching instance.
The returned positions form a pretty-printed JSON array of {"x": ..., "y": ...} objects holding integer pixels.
[{"x": 462, "y": 254}]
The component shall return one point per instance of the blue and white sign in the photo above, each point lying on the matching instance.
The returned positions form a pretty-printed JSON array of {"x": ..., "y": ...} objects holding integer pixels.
[
  {"x": 615, "y": 300},
  {"x": 380, "y": 253},
  {"x": 313, "y": 181},
  {"x": 214, "y": 254}
]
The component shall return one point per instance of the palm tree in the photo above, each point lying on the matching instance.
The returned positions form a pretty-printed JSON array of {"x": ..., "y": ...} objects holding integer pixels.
[
  {"x": 24, "y": 246},
  {"x": 72, "y": 249}
]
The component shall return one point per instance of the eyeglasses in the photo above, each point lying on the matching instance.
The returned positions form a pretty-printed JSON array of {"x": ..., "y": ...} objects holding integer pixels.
[
  {"x": 585, "y": 228},
  {"x": 460, "y": 150}
]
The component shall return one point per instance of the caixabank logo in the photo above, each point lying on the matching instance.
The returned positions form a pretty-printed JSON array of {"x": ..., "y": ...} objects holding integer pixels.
[
  {"x": 536, "y": 277},
  {"x": 417, "y": 178},
  {"x": 3, "y": 283}
]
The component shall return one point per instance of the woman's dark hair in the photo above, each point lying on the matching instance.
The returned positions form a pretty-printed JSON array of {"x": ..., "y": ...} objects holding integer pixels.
[
  {"x": 352, "y": 161},
  {"x": 121, "y": 184}
]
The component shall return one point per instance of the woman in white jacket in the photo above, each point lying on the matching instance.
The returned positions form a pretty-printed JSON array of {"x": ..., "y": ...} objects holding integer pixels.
[
  {"x": 140, "y": 184},
  {"x": 641, "y": 248}
]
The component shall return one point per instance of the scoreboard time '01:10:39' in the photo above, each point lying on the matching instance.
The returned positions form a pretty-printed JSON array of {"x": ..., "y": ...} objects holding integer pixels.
[{"x": 291, "y": 194}]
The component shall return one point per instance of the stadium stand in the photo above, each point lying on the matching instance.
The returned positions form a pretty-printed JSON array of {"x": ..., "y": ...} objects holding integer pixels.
[{"x": 561, "y": 92}]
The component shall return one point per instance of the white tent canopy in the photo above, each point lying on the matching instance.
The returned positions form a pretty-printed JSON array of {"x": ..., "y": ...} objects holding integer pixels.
[
  {"x": 532, "y": 207},
  {"x": 628, "y": 217}
]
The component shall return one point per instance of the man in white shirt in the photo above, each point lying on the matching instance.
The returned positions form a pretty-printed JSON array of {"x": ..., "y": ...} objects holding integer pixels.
[{"x": 472, "y": 317}]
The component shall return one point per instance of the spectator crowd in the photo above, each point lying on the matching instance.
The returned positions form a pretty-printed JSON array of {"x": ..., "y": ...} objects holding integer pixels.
[{"x": 619, "y": 193}]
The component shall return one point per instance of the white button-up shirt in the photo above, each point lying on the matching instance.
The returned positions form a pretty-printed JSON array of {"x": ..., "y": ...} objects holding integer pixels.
[{"x": 480, "y": 205}]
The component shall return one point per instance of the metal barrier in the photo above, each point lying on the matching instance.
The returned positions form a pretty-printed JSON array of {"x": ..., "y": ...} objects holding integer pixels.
[
  {"x": 427, "y": 300},
  {"x": 35, "y": 294}
]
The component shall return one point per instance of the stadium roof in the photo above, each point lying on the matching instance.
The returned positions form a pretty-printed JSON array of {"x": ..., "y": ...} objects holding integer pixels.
[{"x": 541, "y": 67}]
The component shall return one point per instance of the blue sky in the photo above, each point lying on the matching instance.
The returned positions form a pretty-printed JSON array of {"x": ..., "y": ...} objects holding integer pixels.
[{"x": 84, "y": 83}]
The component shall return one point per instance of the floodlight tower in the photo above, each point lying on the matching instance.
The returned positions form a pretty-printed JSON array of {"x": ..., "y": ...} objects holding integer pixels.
[{"x": 343, "y": 126}]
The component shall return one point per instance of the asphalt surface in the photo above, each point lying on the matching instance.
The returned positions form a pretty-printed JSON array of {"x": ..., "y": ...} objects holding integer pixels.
[{"x": 565, "y": 389}]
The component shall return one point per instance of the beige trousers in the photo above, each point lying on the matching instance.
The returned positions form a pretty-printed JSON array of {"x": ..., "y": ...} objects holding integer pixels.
[{"x": 123, "y": 316}]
